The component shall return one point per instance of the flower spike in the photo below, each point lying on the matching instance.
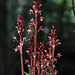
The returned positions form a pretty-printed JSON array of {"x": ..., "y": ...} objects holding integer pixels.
[{"x": 20, "y": 30}]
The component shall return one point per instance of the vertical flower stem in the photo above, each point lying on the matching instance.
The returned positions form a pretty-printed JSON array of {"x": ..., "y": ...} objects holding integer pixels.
[
  {"x": 35, "y": 42},
  {"x": 38, "y": 68},
  {"x": 38, "y": 63},
  {"x": 21, "y": 56},
  {"x": 42, "y": 63},
  {"x": 31, "y": 64},
  {"x": 49, "y": 55},
  {"x": 53, "y": 55}
]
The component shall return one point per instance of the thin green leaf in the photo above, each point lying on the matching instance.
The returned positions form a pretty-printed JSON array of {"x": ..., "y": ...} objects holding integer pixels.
[{"x": 26, "y": 73}]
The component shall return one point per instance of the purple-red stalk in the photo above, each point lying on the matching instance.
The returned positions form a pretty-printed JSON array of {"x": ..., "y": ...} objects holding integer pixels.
[
  {"x": 43, "y": 62},
  {"x": 20, "y": 31},
  {"x": 21, "y": 56},
  {"x": 35, "y": 36}
]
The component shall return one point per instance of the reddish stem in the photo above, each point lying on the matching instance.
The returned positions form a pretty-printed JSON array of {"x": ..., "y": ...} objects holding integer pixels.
[
  {"x": 53, "y": 55},
  {"x": 35, "y": 41},
  {"x": 38, "y": 66},
  {"x": 49, "y": 55},
  {"x": 42, "y": 63},
  {"x": 21, "y": 56},
  {"x": 31, "y": 64}
]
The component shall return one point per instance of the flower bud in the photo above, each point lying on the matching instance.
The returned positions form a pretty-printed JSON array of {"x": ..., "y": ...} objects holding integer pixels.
[
  {"x": 55, "y": 72},
  {"x": 29, "y": 30},
  {"x": 27, "y": 51},
  {"x": 24, "y": 38},
  {"x": 41, "y": 18},
  {"x": 14, "y": 38},
  {"x": 33, "y": 7},
  {"x": 39, "y": 5},
  {"x": 59, "y": 55},
  {"x": 27, "y": 61}
]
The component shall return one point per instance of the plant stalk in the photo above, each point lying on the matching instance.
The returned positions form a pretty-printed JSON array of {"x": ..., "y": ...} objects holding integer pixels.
[
  {"x": 42, "y": 63},
  {"x": 31, "y": 65},
  {"x": 38, "y": 66},
  {"x": 49, "y": 54},
  {"x": 53, "y": 55},
  {"x": 21, "y": 56},
  {"x": 35, "y": 42}
]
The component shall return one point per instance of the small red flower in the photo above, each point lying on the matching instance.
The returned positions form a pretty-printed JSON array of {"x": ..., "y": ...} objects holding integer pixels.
[
  {"x": 41, "y": 18},
  {"x": 29, "y": 30}
]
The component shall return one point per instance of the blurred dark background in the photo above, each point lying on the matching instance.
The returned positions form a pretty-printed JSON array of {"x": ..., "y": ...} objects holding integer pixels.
[{"x": 58, "y": 12}]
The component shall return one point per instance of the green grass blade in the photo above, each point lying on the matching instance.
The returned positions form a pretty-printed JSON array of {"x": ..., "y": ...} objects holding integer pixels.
[{"x": 26, "y": 73}]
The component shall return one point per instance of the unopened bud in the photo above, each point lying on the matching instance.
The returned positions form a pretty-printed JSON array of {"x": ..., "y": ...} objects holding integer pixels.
[{"x": 14, "y": 38}]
